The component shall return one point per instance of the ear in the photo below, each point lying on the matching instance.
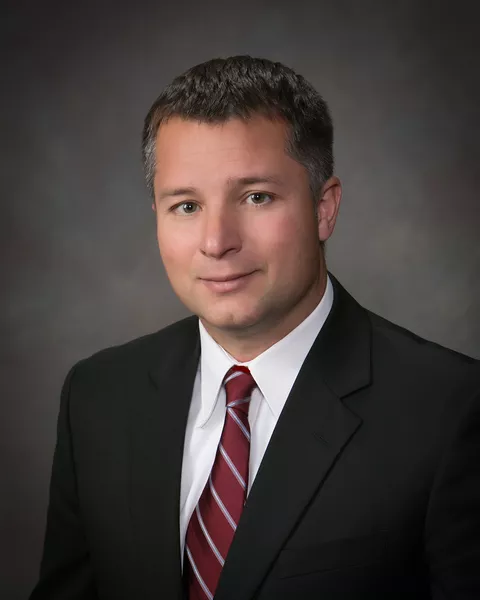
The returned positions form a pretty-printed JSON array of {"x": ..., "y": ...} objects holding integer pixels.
[
  {"x": 328, "y": 206},
  {"x": 154, "y": 207}
]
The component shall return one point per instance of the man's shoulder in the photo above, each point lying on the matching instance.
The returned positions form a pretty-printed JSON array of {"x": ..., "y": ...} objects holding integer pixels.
[
  {"x": 392, "y": 343},
  {"x": 145, "y": 350},
  {"x": 394, "y": 346}
]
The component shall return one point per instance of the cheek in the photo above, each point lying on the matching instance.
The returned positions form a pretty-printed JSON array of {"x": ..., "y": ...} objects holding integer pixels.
[
  {"x": 176, "y": 250},
  {"x": 284, "y": 238},
  {"x": 293, "y": 253}
]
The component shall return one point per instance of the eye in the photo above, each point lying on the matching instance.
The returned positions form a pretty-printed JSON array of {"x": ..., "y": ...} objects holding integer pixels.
[
  {"x": 185, "y": 208},
  {"x": 259, "y": 198}
]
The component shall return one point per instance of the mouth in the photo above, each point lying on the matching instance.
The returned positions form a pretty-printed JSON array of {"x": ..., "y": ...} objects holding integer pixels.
[
  {"x": 226, "y": 277},
  {"x": 228, "y": 283}
]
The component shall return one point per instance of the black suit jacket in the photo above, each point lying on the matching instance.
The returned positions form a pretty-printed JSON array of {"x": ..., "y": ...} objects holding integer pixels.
[{"x": 369, "y": 488}]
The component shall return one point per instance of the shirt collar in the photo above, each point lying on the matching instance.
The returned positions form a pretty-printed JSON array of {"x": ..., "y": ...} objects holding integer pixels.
[
  {"x": 274, "y": 371},
  {"x": 214, "y": 364}
]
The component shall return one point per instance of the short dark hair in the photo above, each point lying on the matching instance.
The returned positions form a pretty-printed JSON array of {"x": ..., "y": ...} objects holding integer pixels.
[{"x": 241, "y": 87}]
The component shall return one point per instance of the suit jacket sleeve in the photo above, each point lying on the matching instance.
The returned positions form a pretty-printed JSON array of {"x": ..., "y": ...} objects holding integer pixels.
[
  {"x": 66, "y": 570},
  {"x": 453, "y": 517}
]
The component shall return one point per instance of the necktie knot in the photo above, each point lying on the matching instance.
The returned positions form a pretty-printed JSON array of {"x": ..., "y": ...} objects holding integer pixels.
[{"x": 239, "y": 385}]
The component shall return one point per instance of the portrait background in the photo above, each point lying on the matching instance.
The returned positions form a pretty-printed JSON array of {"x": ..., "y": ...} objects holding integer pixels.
[{"x": 79, "y": 265}]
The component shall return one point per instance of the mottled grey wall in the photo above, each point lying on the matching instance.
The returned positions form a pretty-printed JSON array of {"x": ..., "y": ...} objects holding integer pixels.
[{"x": 79, "y": 265}]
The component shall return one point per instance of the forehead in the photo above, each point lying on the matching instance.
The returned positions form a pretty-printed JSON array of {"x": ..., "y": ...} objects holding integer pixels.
[{"x": 187, "y": 146}]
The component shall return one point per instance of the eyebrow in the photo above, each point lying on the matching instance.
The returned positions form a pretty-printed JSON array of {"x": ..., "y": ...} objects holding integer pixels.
[
  {"x": 232, "y": 182},
  {"x": 241, "y": 181},
  {"x": 168, "y": 193}
]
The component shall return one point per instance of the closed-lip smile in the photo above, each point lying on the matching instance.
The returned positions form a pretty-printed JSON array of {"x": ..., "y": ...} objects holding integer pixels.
[{"x": 226, "y": 277}]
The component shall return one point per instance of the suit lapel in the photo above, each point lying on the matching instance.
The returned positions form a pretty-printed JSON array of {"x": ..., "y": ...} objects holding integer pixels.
[
  {"x": 159, "y": 419},
  {"x": 311, "y": 433}
]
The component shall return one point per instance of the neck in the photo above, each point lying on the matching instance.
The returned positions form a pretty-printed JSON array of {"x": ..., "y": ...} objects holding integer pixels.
[{"x": 248, "y": 343}]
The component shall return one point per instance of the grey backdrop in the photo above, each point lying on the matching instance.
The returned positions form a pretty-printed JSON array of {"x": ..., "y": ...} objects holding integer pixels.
[{"x": 80, "y": 268}]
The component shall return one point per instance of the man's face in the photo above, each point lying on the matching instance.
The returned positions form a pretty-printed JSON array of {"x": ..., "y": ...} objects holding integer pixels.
[{"x": 236, "y": 224}]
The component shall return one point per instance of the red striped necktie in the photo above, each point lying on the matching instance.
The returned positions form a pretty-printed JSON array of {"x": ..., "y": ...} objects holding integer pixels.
[{"x": 214, "y": 521}]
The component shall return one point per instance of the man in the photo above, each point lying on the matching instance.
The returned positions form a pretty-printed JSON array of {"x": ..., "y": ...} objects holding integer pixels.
[{"x": 284, "y": 443}]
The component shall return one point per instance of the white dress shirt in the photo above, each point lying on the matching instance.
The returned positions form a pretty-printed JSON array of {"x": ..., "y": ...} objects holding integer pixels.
[{"x": 274, "y": 371}]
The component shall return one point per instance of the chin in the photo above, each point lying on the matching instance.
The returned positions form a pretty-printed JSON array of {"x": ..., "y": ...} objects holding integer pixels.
[{"x": 230, "y": 321}]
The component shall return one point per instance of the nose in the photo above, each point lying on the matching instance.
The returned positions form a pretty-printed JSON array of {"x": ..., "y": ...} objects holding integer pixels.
[{"x": 220, "y": 232}]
